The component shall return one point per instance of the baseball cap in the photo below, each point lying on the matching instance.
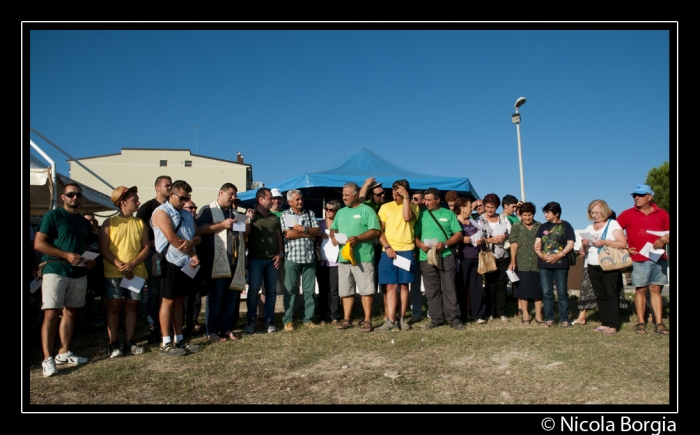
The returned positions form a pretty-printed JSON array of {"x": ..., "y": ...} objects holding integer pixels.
[
  {"x": 643, "y": 189},
  {"x": 347, "y": 254},
  {"x": 275, "y": 192},
  {"x": 120, "y": 192},
  {"x": 373, "y": 185}
]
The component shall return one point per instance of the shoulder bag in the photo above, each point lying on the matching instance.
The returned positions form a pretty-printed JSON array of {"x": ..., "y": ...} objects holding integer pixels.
[
  {"x": 455, "y": 248},
  {"x": 611, "y": 258}
]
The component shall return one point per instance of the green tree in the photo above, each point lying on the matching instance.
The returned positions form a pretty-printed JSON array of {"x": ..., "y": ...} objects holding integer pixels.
[{"x": 658, "y": 180}]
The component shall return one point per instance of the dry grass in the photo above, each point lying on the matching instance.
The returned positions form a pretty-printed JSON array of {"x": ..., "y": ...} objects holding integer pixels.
[{"x": 496, "y": 363}]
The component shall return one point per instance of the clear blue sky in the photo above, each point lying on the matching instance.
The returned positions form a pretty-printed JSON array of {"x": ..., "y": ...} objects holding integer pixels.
[{"x": 434, "y": 101}]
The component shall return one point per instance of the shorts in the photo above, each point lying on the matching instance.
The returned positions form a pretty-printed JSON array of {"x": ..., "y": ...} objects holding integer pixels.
[
  {"x": 349, "y": 275},
  {"x": 58, "y": 291},
  {"x": 390, "y": 274},
  {"x": 649, "y": 273},
  {"x": 115, "y": 291},
  {"x": 176, "y": 283}
]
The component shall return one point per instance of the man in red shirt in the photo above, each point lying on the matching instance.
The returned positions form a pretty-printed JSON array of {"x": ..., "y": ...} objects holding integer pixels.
[{"x": 646, "y": 274}]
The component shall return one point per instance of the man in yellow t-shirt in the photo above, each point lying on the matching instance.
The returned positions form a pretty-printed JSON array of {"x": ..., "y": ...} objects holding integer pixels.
[
  {"x": 397, "y": 219},
  {"x": 124, "y": 247}
]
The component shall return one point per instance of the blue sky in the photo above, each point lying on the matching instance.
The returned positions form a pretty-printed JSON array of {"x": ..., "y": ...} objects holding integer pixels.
[{"x": 434, "y": 101}]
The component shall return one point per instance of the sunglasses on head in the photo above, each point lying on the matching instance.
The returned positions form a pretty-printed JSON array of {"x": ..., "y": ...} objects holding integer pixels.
[{"x": 73, "y": 194}]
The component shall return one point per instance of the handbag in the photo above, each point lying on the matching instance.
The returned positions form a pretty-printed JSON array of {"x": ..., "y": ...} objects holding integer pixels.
[
  {"x": 571, "y": 258},
  {"x": 611, "y": 258},
  {"x": 487, "y": 262}
]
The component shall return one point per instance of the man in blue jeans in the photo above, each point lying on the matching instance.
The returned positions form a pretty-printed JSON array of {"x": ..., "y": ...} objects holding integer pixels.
[{"x": 265, "y": 253}]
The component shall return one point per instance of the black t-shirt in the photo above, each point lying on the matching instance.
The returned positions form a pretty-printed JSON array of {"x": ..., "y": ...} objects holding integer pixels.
[
  {"x": 554, "y": 239},
  {"x": 145, "y": 212}
]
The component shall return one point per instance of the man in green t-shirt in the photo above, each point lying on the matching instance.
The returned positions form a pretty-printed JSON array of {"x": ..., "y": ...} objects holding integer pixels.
[
  {"x": 359, "y": 223},
  {"x": 62, "y": 236},
  {"x": 439, "y": 228}
]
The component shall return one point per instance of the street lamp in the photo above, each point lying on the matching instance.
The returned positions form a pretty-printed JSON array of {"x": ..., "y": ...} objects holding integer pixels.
[{"x": 515, "y": 119}]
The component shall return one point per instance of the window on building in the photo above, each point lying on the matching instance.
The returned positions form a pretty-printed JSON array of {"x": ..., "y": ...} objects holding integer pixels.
[
  {"x": 164, "y": 163},
  {"x": 188, "y": 163}
]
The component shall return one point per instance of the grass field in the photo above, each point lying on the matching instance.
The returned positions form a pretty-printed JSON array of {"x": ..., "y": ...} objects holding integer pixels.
[{"x": 495, "y": 363}]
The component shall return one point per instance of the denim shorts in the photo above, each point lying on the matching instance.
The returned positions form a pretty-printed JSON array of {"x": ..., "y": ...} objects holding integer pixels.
[
  {"x": 649, "y": 273},
  {"x": 390, "y": 274},
  {"x": 114, "y": 291}
]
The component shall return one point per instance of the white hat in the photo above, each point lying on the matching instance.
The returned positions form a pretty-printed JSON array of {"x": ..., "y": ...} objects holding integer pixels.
[{"x": 275, "y": 192}]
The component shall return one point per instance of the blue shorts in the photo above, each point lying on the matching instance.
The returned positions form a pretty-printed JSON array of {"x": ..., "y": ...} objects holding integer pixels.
[
  {"x": 114, "y": 291},
  {"x": 649, "y": 273},
  {"x": 390, "y": 274}
]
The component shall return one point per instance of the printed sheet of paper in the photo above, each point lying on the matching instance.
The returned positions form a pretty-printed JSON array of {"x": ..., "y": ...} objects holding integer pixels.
[
  {"x": 499, "y": 229},
  {"x": 87, "y": 255},
  {"x": 474, "y": 238},
  {"x": 134, "y": 284},
  {"x": 512, "y": 276},
  {"x": 402, "y": 262},
  {"x": 328, "y": 251},
  {"x": 651, "y": 253},
  {"x": 291, "y": 219},
  {"x": 430, "y": 242},
  {"x": 240, "y": 219},
  {"x": 588, "y": 236},
  {"x": 189, "y": 271},
  {"x": 341, "y": 238}
]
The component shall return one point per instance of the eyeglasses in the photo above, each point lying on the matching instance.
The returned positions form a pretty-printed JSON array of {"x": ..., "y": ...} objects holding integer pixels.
[
  {"x": 634, "y": 195},
  {"x": 379, "y": 194},
  {"x": 415, "y": 198},
  {"x": 330, "y": 209},
  {"x": 182, "y": 198},
  {"x": 191, "y": 207},
  {"x": 73, "y": 194}
]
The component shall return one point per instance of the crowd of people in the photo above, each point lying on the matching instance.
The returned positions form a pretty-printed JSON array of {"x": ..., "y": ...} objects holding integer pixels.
[{"x": 395, "y": 246}]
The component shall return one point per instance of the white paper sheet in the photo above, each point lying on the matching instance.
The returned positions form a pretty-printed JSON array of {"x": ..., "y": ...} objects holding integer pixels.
[
  {"x": 87, "y": 255},
  {"x": 588, "y": 236},
  {"x": 341, "y": 238},
  {"x": 658, "y": 233},
  {"x": 35, "y": 284},
  {"x": 134, "y": 284},
  {"x": 402, "y": 262},
  {"x": 499, "y": 229},
  {"x": 291, "y": 219},
  {"x": 430, "y": 242},
  {"x": 512, "y": 276},
  {"x": 328, "y": 251},
  {"x": 189, "y": 271},
  {"x": 474, "y": 238},
  {"x": 240, "y": 219},
  {"x": 651, "y": 253}
]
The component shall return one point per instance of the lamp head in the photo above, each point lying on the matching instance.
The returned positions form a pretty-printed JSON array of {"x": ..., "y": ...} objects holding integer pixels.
[{"x": 519, "y": 102}]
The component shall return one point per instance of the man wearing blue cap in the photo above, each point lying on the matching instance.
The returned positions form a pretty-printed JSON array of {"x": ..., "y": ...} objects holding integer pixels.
[{"x": 646, "y": 274}]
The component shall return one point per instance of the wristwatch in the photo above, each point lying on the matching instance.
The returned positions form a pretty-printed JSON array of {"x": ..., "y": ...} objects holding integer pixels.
[{"x": 306, "y": 230}]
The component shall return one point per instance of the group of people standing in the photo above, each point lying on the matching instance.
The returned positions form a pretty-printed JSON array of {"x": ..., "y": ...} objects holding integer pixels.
[{"x": 392, "y": 245}]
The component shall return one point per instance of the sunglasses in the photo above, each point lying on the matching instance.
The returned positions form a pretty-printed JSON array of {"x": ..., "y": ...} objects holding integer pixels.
[
  {"x": 73, "y": 194},
  {"x": 635, "y": 195},
  {"x": 191, "y": 207},
  {"x": 415, "y": 198},
  {"x": 379, "y": 194},
  {"x": 182, "y": 198},
  {"x": 330, "y": 209}
]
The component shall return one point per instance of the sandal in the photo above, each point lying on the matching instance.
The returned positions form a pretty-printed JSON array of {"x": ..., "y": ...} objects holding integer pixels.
[
  {"x": 540, "y": 322},
  {"x": 609, "y": 332},
  {"x": 214, "y": 338},
  {"x": 565, "y": 325},
  {"x": 343, "y": 325},
  {"x": 528, "y": 321},
  {"x": 548, "y": 323},
  {"x": 367, "y": 326},
  {"x": 641, "y": 328},
  {"x": 601, "y": 329},
  {"x": 231, "y": 336},
  {"x": 661, "y": 329}
]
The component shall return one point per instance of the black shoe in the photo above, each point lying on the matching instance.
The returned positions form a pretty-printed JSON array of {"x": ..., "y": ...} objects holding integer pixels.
[
  {"x": 190, "y": 348},
  {"x": 431, "y": 325},
  {"x": 415, "y": 320},
  {"x": 458, "y": 326}
]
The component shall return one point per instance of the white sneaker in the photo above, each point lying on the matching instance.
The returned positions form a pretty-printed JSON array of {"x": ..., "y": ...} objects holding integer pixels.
[
  {"x": 271, "y": 328},
  {"x": 70, "y": 358},
  {"x": 115, "y": 350},
  {"x": 49, "y": 367}
]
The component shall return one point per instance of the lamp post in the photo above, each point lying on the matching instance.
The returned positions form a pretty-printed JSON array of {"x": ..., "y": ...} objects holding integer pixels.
[{"x": 515, "y": 119}]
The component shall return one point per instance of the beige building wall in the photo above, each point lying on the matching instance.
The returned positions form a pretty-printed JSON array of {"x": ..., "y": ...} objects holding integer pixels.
[{"x": 141, "y": 167}]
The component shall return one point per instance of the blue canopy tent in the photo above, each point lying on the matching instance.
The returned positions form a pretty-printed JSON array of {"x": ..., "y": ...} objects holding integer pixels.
[{"x": 325, "y": 185}]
